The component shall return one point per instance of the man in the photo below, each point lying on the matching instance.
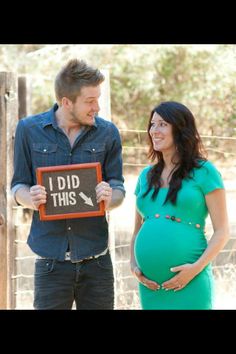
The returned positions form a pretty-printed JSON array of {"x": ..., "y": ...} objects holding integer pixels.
[{"x": 73, "y": 261}]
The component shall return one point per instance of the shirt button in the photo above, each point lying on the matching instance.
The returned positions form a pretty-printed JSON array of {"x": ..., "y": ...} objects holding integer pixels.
[
  {"x": 93, "y": 149},
  {"x": 69, "y": 228},
  {"x": 70, "y": 154},
  {"x": 44, "y": 150}
]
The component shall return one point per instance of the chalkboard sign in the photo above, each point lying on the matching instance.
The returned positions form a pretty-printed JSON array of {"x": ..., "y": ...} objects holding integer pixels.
[{"x": 70, "y": 191}]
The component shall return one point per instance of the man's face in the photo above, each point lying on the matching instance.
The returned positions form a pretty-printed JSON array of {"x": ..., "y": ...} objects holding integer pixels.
[{"x": 86, "y": 106}]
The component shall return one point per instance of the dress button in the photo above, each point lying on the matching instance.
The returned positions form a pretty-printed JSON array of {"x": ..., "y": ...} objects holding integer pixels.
[
  {"x": 69, "y": 228},
  {"x": 198, "y": 226},
  {"x": 157, "y": 215}
]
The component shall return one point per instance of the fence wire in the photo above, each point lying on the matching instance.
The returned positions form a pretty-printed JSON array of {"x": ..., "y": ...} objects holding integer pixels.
[
  {"x": 224, "y": 266},
  {"x": 134, "y": 159}
]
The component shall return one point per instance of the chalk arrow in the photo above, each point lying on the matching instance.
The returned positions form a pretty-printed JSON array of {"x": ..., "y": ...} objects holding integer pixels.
[{"x": 86, "y": 199}]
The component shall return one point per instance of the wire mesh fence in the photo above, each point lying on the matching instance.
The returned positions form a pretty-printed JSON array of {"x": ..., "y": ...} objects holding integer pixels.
[{"x": 221, "y": 152}]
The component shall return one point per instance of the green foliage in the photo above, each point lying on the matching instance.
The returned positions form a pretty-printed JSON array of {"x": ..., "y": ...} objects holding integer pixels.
[{"x": 141, "y": 76}]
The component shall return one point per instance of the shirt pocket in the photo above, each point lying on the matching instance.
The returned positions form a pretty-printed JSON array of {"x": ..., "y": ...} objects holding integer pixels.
[
  {"x": 45, "y": 154},
  {"x": 93, "y": 152}
]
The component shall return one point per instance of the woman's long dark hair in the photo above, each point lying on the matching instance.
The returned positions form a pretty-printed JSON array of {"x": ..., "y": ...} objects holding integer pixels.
[{"x": 188, "y": 145}]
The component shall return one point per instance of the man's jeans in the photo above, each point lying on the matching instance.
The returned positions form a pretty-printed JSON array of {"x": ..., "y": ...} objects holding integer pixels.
[{"x": 89, "y": 283}]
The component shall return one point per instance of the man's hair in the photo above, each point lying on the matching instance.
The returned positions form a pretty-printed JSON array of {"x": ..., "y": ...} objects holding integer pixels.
[{"x": 73, "y": 76}]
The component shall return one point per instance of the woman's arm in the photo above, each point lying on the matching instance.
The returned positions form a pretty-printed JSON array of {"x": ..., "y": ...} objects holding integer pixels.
[
  {"x": 216, "y": 204},
  {"x": 134, "y": 268},
  {"x": 137, "y": 225}
]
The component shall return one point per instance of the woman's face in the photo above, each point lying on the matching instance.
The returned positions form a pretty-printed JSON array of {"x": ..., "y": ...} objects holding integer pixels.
[{"x": 161, "y": 134}]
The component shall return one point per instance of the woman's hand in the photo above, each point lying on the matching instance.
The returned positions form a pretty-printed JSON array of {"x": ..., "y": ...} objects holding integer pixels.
[
  {"x": 145, "y": 281},
  {"x": 186, "y": 273}
]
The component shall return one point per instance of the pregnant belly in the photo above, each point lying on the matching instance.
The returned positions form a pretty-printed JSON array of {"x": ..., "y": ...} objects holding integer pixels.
[{"x": 161, "y": 245}]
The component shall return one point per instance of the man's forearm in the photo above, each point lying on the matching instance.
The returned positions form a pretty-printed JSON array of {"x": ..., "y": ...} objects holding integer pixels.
[
  {"x": 23, "y": 197},
  {"x": 117, "y": 199}
]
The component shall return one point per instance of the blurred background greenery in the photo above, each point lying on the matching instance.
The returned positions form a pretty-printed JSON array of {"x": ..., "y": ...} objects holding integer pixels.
[
  {"x": 141, "y": 76},
  {"x": 200, "y": 76}
]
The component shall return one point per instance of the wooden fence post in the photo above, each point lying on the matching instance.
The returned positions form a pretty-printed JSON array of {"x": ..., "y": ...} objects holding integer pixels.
[
  {"x": 24, "y": 262},
  {"x": 8, "y": 121},
  {"x": 105, "y": 112},
  {"x": 24, "y": 96}
]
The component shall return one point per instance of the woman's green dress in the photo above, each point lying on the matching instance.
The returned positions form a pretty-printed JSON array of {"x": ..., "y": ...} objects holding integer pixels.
[{"x": 173, "y": 235}]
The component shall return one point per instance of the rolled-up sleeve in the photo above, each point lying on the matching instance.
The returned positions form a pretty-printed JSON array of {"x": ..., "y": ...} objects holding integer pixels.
[
  {"x": 22, "y": 160},
  {"x": 113, "y": 168}
]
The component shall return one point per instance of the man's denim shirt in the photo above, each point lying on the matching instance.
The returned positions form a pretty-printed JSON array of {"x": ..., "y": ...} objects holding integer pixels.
[{"x": 40, "y": 142}]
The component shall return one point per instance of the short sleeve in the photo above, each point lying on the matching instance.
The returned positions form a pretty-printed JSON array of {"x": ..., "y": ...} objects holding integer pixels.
[
  {"x": 209, "y": 178},
  {"x": 142, "y": 184},
  {"x": 137, "y": 188}
]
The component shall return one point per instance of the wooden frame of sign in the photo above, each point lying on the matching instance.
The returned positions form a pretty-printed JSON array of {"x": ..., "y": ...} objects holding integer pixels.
[{"x": 70, "y": 191}]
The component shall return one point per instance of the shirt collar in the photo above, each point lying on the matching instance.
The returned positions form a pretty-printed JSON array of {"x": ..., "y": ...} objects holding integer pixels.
[{"x": 50, "y": 119}]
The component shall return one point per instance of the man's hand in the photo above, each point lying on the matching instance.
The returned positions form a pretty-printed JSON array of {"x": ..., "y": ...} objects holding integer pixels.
[
  {"x": 104, "y": 192},
  {"x": 38, "y": 196}
]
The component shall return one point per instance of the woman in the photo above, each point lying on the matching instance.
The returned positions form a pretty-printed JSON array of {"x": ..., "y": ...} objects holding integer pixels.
[{"x": 170, "y": 255}]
